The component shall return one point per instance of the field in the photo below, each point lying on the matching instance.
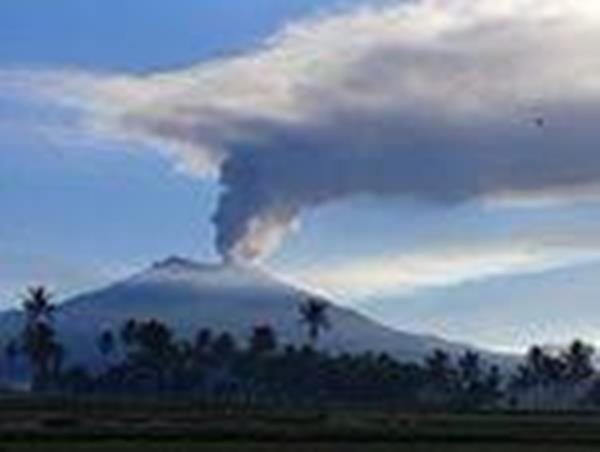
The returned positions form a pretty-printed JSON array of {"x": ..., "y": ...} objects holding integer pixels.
[
  {"x": 150, "y": 425},
  {"x": 287, "y": 447}
]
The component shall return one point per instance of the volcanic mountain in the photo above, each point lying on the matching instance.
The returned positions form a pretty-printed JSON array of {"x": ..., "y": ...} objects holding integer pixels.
[{"x": 188, "y": 296}]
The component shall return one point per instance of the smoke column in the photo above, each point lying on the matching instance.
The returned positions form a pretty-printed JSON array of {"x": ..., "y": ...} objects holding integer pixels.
[{"x": 433, "y": 100}]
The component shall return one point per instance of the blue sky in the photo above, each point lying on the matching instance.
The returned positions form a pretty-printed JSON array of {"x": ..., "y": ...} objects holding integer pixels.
[
  {"x": 135, "y": 35},
  {"x": 110, "y": 195},
  {"x": 80, "y": 210},
  {"x": 95, "y": 204}
]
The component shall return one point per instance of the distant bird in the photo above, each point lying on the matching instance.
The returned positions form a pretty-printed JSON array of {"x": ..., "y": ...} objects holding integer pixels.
[{"x": 540, "y": 122}]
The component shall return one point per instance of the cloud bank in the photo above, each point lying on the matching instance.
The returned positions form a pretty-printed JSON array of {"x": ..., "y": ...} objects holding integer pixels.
[
  {"x": 405, "y": 274},
  {"x": 435, "y": 100}
]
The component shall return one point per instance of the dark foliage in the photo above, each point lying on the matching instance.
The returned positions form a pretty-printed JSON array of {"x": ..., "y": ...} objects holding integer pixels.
[
  {"x": 214, "y": 367},
  {"x": 146, "y": 358}
]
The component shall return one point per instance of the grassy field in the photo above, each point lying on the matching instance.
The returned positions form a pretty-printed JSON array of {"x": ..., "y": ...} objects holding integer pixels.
[
  {"x": 285, "y": 447},
  {"x": 151, "y": 425}
]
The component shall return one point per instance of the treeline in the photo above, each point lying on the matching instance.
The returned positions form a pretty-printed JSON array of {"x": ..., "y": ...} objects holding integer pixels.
[{"x": 146, "y": 358}]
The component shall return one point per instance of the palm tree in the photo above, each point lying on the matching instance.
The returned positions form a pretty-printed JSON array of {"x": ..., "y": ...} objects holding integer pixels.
[
  {"x": 313, "y": 314},
  {"x": 37, "y": 304},
  {"x": 44, "y": 352},
  {"x": 38, "y": 337}
]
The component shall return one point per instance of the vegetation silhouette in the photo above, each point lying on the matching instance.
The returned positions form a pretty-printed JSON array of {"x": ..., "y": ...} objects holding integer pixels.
[
  {"x": 314, "y": 315},
  {"x": 38, "y": 339},
  {"x": 145, "y": 357}
]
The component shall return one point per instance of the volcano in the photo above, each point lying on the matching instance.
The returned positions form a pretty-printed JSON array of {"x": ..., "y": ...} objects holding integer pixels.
[{"x": 188, "y": 296}]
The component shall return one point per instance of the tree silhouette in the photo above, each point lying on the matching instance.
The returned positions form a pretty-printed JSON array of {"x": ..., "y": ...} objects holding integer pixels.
[
  {"x": 44, "y": 352},
  {"x": 492, "y": 385},
  {"x": 477, "y": 385},
  {"x": 313, "y": 313},
  {"x": 578, "y": 360},
  {"x": 224, "y": 346},
  {"x": 56, "y": 360},
  {"x": 39, "y": 338},
  {"x": 535, "y": 370},
  {"x": 441, "y": 378},
  {"x": 263, "y": 340},
  {"x": 37, "y": 304},
  {"x": 202, "y": 342},
  {"x": 128, "y": 332},
  {"x": 470, "y": 378},
  {"x": 214, "y": 367},
  {"x": 106, "y": 344},
  {"x": 438, "y": 366},
  {"x": 151, "y": 347},
  {"x": 470, "y": 366}
]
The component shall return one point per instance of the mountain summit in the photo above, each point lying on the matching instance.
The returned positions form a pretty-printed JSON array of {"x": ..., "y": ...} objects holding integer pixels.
[{"x": 188, "y": 295}]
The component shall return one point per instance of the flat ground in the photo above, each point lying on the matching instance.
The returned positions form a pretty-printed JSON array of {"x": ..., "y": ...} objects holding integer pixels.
[
  {"x": 167, "y": 425},
  {"x": 284, "y": 447}
]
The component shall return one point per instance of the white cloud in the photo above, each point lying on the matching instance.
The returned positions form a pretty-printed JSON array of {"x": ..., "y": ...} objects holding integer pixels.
[
  {"x": 433, "y": 99},
  {"x": 404, "y": 274}
]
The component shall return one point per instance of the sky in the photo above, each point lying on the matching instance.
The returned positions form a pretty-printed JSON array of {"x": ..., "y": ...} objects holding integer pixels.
[{"x": 386, "y": 153}]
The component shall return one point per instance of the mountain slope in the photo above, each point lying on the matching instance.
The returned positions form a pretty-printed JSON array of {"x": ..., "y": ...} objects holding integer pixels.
[{"x": 189, "y": 296}]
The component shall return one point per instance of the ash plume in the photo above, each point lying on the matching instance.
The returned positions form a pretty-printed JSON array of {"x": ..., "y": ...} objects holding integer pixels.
[{"x": 438, "y": 101}]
